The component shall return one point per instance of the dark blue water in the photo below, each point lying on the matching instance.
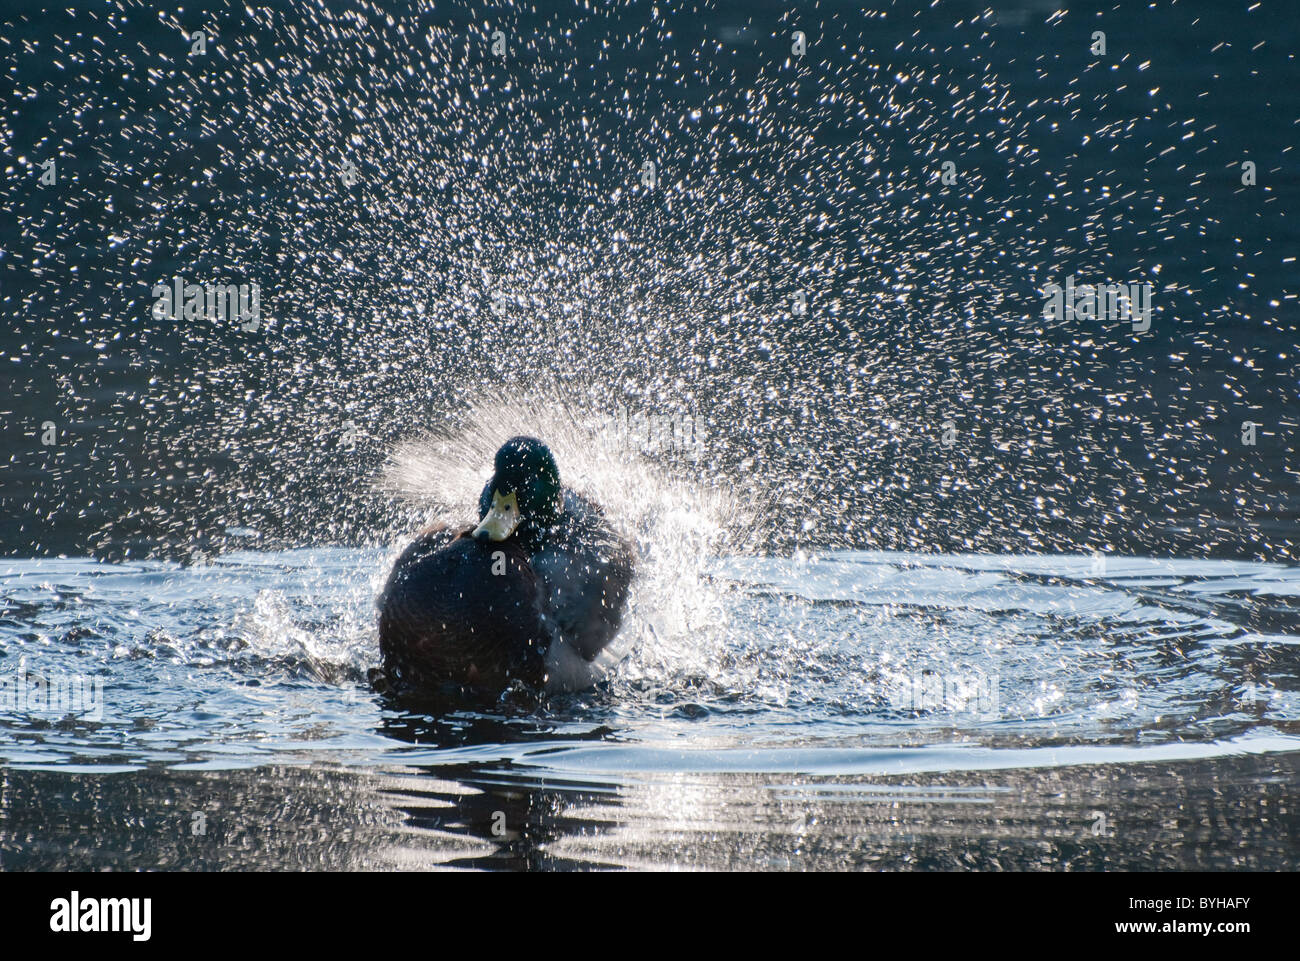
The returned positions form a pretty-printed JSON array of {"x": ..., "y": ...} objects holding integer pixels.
[{"x": 929, "y": 580}]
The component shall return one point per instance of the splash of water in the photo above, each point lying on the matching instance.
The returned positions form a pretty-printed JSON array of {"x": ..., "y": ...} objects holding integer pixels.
[
  {"x": 427, "y": 220},
  {"x": 678, "y": 523}
]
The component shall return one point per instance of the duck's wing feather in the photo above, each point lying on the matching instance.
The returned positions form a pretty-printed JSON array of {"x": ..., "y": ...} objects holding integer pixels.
[{"x": 585, "y": 569}]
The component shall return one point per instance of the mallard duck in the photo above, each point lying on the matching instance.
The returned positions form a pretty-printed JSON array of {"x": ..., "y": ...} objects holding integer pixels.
[{"x": 533, "y": 594}]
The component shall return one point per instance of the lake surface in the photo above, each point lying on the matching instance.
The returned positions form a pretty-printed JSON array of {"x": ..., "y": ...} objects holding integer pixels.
[{"x": 847, "y": 710}]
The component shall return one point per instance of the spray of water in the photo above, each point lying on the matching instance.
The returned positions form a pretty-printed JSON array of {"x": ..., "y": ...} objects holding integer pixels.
[
  {"x": 828, "y": 257},
  {"x": 678, "y": 524}
]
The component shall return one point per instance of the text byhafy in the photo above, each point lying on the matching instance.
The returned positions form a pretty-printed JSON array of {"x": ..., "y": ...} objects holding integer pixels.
[
  {"x": 1130, "y": 302},
  {"x": 1203, "y": 904},
  {"x": 73, "y": 915}
]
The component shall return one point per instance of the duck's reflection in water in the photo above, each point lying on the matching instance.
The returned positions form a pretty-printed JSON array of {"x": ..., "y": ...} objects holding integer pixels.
[
  {"x": 1226, "y": 814},
  {"x": 475, "y": 808},
  {"x": 510, "y": 821}
]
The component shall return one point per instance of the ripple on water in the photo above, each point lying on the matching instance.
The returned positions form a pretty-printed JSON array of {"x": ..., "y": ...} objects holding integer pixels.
[{"x": 260, "y": 657}]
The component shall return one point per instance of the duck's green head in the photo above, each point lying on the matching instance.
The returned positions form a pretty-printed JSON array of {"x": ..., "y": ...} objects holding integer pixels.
[{"x": 524, "y": 493}]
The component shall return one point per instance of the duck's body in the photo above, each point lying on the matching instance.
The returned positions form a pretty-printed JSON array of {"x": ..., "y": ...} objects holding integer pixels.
[
  {"x": 446, "y": 619},
  {"x": 533, "y": 595}
]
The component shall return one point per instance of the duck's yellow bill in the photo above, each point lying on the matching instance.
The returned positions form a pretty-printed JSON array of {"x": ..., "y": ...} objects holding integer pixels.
[{"x": 501, "y": 520}]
